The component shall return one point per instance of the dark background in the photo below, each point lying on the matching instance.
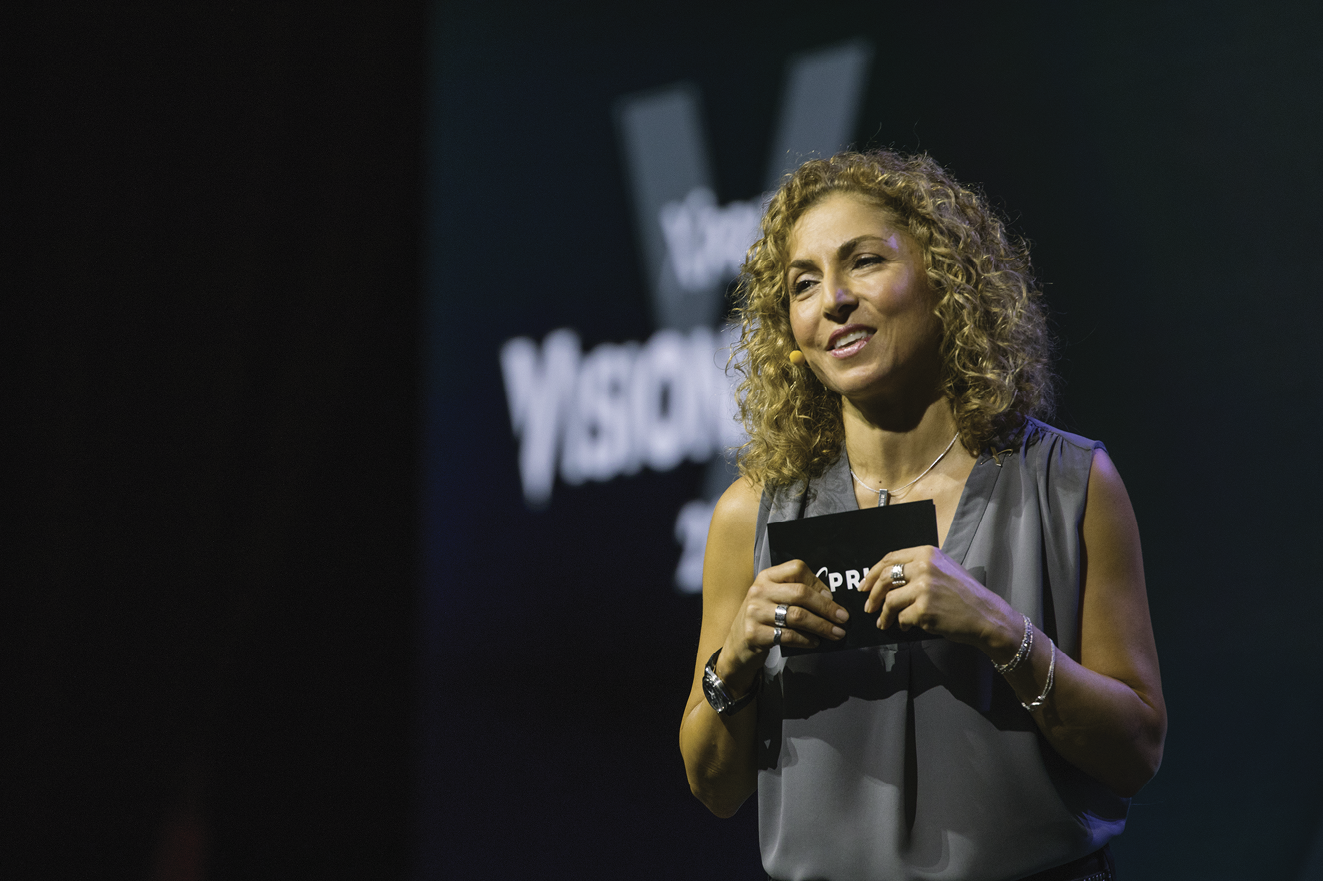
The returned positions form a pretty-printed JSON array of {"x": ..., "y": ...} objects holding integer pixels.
[
  {"x": 279, "y": 610},
  {"x": 211, "y": 250}
]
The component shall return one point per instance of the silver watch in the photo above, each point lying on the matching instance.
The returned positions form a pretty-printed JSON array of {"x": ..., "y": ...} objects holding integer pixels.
[{"x": 717, "y": 694}]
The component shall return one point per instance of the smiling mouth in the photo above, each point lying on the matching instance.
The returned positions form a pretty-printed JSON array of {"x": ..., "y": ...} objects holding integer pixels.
[{"x": 849, "y": 343}]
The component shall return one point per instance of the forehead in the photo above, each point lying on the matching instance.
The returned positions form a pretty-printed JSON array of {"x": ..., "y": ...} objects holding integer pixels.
[{"x": 839, "y": 217}]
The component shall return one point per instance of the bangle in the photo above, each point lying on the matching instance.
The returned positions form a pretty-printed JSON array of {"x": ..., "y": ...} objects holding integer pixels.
[
  {"x": 1026, "y": 643},
  {"x": 1047, "y": 689}
]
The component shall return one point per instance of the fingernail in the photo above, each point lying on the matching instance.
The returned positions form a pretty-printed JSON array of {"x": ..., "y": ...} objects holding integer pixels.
[
  {"x": 837, "y": 632},
  {"x": 842, "y": 615}
]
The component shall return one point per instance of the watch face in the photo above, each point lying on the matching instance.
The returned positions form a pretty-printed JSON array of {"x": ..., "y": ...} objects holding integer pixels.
[{"x": 713, "y": 692}]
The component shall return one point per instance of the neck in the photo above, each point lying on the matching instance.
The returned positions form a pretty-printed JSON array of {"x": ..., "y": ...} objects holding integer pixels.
[{"x": 888, "y": 451}]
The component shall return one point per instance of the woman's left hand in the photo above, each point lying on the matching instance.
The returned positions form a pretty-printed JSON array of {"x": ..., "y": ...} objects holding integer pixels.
[{"x": 943, "y": 599}]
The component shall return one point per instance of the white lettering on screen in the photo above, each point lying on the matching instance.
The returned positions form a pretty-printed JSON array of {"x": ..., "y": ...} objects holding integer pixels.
[
  {"x": 617, "y": 409},
  {"x": 706, "y": 242}
]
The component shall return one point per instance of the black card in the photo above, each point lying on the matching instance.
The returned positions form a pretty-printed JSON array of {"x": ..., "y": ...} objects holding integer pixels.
[{"x": 840, "y": 548}]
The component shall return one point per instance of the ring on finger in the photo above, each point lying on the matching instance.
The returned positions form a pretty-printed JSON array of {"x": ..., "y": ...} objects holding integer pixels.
[
  {"x": 898, "y": 575},
  {"x": 779, "y": 619},
  {"x": 776, "y": 636}
]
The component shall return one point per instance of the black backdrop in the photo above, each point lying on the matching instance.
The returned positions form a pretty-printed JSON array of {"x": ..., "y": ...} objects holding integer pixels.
[
  {"x": 211, "y": 238},
  {"x": 260, "y": 261}
]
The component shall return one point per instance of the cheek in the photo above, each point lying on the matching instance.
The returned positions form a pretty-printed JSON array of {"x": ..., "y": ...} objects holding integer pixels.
[{"x": 801, "y": 325}]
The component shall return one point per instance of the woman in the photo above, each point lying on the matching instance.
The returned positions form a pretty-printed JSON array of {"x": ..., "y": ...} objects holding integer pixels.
[{"x": 894, "y": 349}]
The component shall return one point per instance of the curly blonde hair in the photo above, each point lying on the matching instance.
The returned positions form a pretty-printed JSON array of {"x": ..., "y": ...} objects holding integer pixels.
[{"x": 995, "y": 347}]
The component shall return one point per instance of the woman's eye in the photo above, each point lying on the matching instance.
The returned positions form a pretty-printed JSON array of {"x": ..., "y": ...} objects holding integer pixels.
[
  {"x": 867, "y": 260},
  {"x": 803, "y": 284}
]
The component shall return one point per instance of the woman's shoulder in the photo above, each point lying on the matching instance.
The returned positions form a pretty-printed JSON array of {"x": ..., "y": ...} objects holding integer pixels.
[
  {"x": 729, "y": 555},
  {"x": 738, "y": 506},
  {"x": 1039, "y": 438},
  {"x": 1058, "y": 458}
]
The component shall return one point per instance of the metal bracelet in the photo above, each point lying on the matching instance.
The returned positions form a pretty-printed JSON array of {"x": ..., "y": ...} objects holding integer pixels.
[
  {"x": 1047, "y": 689},
  {"x": 1026, "y": 643}
]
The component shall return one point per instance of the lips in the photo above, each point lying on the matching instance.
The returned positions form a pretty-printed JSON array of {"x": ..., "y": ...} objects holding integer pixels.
[{"x": 846, "y": 341}]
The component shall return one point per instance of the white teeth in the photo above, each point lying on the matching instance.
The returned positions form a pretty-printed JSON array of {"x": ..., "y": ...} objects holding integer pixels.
[{"x": 852, "y": 337}]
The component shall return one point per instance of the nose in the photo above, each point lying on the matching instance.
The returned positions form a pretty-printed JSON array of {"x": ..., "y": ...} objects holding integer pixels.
[{"x": 838, "y": 300}]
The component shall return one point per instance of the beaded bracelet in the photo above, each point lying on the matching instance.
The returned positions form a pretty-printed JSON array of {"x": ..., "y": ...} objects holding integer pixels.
[
  {"x": 1026, "y": 643},
  {"x": 1047, "y": 689}
]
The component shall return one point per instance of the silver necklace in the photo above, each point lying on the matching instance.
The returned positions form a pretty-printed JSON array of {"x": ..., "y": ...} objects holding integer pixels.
[{"x": 884, "y": 495}]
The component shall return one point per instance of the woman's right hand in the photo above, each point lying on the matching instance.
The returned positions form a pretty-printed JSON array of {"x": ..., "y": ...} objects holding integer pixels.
[
  {"x": 811, "y": 614},
  {"x": 739, "y": 612}
]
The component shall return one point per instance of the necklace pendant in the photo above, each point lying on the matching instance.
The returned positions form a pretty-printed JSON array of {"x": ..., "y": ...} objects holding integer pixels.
[{"x": 883, "y": 497}]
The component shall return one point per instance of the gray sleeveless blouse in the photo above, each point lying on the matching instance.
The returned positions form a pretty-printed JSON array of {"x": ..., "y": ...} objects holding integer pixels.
[{"x": 917, "y": 761}]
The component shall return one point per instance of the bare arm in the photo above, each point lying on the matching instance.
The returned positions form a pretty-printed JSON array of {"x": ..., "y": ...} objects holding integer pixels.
[
  {"x": 738, "y": 609},
  {"x": 1105, "y": 713}
]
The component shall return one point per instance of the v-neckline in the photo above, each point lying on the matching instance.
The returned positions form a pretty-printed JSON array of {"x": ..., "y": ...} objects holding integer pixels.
[
  {"x": 973, "y": 503},
  {"x": 969, "y": 511}
]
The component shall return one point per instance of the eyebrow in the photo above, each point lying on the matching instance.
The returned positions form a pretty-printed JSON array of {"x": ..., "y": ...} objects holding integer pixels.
[{"x": 844, "y": 250}]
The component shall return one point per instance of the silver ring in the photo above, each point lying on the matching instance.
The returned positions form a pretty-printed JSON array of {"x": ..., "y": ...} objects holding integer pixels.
[
  {"x": 898, "y": 575},
  {"x": 776, "y": 636},
  {"x": 779, "y": 619}
]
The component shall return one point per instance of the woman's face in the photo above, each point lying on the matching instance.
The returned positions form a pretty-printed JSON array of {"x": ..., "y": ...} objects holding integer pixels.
[{"x": 861, "y": 308}]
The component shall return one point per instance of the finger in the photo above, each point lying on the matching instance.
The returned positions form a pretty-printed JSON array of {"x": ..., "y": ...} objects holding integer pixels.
[
  {"x": 877, "y": 596},
  {"x": 871, "y": 578},
  {"x": 761, "y": 633},
  {"x": 816, "y": 611},
  {"x": 803, "y": 620},
  {"x": 918, "y": 552},
  {"x": 897, "y": 600},
  {"x": 910, "y": 616},
  {"x": 794, "y": 571},
  {"x": 791, "y": 623},
  {"x": 882, "y": 579},
  {"x": 913, "y": 561},
  {"x": 809, "y": 594},
  {"x": 819, "y": 600},
  {"x": 814, "y": 579},
  {"x": 791, "y": 637}
]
